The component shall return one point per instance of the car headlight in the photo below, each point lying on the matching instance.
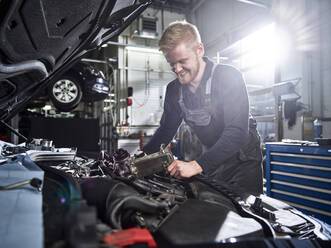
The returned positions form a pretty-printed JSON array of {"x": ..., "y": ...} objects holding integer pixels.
[{"x": 100, "y": 87}]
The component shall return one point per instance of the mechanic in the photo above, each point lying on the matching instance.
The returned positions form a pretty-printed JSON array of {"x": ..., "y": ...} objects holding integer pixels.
[{"x": 212, "y": 99}]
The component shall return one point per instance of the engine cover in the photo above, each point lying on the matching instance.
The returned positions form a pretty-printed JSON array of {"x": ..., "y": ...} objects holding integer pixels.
[{"x": 197, "y": 222}]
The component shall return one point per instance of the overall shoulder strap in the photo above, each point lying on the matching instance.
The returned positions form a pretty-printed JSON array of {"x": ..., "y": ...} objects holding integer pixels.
[
  {"x": 181, "y": 100},
  {"x": 208, "y": 84},
  {"x": 208, "y": 90}
]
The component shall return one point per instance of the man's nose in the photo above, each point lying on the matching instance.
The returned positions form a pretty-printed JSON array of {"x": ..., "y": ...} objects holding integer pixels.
[{"x": 177, "y": 68}]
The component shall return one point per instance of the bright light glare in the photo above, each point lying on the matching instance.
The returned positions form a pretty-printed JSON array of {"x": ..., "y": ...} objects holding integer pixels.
[{"x": 265, "y": 47}]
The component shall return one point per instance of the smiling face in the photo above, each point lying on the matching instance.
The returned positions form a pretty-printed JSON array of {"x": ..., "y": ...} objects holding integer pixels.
[{"x": 186, "y": 62}]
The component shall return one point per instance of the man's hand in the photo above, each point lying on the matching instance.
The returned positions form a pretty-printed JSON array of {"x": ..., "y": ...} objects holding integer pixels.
[{"x": 181, "y": 169}]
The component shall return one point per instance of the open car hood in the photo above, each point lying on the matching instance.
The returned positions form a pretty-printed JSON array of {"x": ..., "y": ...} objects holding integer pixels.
[{"x": 41, "y": 39}]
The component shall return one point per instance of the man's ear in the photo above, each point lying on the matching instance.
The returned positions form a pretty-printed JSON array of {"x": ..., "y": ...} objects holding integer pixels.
[{"x": 201, "y": 49}]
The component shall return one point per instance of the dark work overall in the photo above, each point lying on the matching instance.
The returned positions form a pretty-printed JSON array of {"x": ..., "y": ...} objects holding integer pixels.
[{"x": 243, "y": 171}]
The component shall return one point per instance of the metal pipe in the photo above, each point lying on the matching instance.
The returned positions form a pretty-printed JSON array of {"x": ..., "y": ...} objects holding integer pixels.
[
  {"x": 126, "y": 63},
  {"x": 321, "y": 66},
  {"x": 22, "y": 67},
  {"x": 162, "y": 20},
  {"x": 128, "y": 45},
  {"x": 99, "y": 61},
  {"x": 142, "y": 69},
  {"x": 13, "y": 130},
  {"x": 255, "y": 3},
  {"x": 278, "y": 107}
]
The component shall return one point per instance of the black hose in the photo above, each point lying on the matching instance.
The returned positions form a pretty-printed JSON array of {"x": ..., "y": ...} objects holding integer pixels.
[
  {"x": 133, "y": 202},
  {"x": 25, "y": 66}
]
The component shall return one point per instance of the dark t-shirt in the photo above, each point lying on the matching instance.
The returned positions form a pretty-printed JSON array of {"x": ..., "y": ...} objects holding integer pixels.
[{"x": 228, "y": 129}]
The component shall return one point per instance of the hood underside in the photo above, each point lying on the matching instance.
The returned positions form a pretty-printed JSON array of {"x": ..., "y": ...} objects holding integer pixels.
[{"x": 40, "y": 39}]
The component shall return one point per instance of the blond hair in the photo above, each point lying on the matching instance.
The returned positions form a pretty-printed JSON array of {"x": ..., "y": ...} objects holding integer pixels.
[{"x": 179, "y": 32}]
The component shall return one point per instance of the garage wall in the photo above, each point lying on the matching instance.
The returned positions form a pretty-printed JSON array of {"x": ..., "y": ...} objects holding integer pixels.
[
  {"x": 149, "y": 75},
  {"x": 144, "y": 68},
  {"x": 309, "y": 58}
]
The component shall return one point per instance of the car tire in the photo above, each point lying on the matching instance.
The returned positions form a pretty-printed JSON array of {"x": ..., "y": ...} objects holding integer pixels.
[{"x": 65, "y": 93}]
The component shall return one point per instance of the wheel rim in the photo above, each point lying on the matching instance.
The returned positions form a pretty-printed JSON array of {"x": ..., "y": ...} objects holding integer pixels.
[{"x": 65, "y": 91}]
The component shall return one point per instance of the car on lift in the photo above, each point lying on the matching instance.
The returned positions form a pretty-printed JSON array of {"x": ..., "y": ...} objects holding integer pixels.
[
  {"x": 82, "y": 82},
  {"x": 40, "y": 40}
]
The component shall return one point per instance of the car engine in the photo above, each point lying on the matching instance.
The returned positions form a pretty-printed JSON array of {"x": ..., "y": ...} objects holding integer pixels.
[{"x": 121, "y": 199}]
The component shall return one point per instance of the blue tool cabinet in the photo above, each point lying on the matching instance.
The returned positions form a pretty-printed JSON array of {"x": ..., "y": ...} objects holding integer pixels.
[{"x": 301, "y": 176}]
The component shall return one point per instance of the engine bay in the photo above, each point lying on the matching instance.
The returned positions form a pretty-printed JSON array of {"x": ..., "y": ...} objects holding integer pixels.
[{"x": 121, "y": 199}]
